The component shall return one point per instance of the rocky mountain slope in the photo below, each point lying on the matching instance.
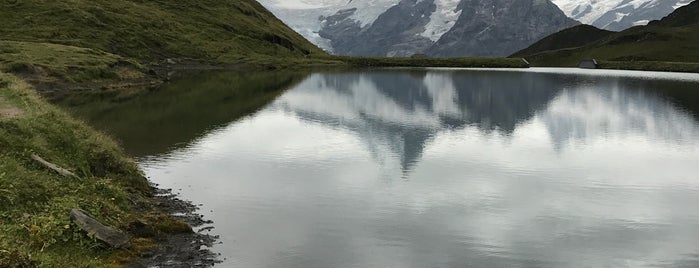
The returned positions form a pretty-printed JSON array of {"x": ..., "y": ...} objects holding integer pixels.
[
  {"x": 441, "y": 28},
  {"x": 499, "y": 27},
  {"x": 617, "y": 15}
]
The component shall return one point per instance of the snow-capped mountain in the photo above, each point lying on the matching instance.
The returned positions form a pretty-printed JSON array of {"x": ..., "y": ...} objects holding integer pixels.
[
  {"x": 618, "y": 15},
  {"x": 304, "y": 16},
  {"x": 408, "y": 27},
  {"x": 496, "y": 28}
]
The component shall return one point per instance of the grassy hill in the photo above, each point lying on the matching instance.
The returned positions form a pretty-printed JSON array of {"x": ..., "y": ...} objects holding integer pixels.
[
  {"x": 576, "y": 36},
  {"x": 669, "y": 44},
  {"x": 219, "y": 31}
]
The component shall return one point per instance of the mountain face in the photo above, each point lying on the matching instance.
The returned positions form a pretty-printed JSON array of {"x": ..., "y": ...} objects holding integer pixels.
[
  {"x": 396, "y": 32},
  {"x": 618, "y": 15},
  {"x": 499, "y": 27},
  {"x": 440, "y": 28}
]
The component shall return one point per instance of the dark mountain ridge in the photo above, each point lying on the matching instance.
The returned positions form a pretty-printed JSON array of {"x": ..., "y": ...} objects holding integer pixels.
[{"x": 674, "y": 38}]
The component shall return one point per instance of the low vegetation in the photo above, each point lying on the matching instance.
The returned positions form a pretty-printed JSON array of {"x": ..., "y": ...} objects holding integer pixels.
[
  {"x": 573, "y": 37},
  {"x": 661, "y": 66},
  {"x": 52, "y": 62},
  {"x": 35, "y": 229},
  {"x": 435, "y": 62}
]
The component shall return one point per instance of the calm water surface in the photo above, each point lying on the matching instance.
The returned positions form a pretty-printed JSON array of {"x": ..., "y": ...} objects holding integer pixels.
[{"x": 429, "y": 168}]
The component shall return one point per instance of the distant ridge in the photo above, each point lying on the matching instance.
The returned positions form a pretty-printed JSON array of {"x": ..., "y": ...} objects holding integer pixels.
[
  {"x": 675, "y": 38},
  {"x": 576, "y": 36}
]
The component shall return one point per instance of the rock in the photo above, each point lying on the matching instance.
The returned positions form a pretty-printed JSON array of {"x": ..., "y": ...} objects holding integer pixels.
[
  {"x": 100, "y": 231},
  {"x": 395, "y": 33},
  {"x": 494, "y": 28}
]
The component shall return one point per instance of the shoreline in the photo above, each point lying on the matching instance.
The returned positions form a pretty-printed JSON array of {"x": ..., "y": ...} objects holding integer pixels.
[
  {"x": 35, "y": 228},
  {"x": 185, "y": 249},
  {"x": 182, "y": 246}
]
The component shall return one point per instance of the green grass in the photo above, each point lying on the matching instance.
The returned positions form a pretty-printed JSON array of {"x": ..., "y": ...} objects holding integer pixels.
[
  {"x": 64, "y": 63},
  {"x": 434, "y": 62},
  {"x": 573, "y": 37},
  {"x": 228, "y": 31},
  {"x": 35, "y": 229},
  {"x": 660, "y": 66},
  {"x": 652, "y": 43}
]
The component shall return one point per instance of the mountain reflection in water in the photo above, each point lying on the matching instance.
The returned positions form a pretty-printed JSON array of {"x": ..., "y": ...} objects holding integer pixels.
[{"x": 429, "y": 168}]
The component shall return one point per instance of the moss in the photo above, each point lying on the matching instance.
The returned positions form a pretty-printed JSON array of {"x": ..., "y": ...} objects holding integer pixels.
[
  {"x": 139, "y": 248},
  {"x": 166, "y": 224}
]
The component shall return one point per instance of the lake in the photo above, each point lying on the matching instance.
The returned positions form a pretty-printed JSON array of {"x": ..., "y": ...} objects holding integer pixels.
[{"x": 427, "y": 167}]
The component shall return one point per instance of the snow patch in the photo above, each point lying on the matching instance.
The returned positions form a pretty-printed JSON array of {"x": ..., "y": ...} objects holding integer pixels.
[
  {"x": 641, "y": 22},
  {"x": 442, "y": 20}
]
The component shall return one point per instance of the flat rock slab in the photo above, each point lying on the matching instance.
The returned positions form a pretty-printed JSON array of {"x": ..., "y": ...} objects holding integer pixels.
[{"x": 100, "y": 231}]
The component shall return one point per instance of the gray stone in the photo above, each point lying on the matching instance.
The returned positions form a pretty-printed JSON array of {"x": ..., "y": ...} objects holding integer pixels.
[{"x": 100, "y": 231}]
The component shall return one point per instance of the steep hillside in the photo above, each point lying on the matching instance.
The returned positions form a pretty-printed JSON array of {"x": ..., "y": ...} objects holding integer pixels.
[
  {"x": 569, "y": 38},
  {"x": 219, "y": 31},
  {"x": 673, "y": 39}
]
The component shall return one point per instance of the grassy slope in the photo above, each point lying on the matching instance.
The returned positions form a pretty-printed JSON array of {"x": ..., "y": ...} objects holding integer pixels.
[
  {"x": 64, "y": 63},
  {"x": 221, "y": 31},
  {"x": 34, "y": 202},
  {"x": 576, "y": 36},
  {"x": 660, "y": 45}
]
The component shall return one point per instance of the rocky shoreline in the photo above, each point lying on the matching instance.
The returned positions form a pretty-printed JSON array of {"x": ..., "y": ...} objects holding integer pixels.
[{"x": 192, "y": 249}]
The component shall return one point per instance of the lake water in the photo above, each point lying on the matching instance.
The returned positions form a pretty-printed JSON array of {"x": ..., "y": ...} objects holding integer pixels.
[{"x": 429, "y": 167}]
